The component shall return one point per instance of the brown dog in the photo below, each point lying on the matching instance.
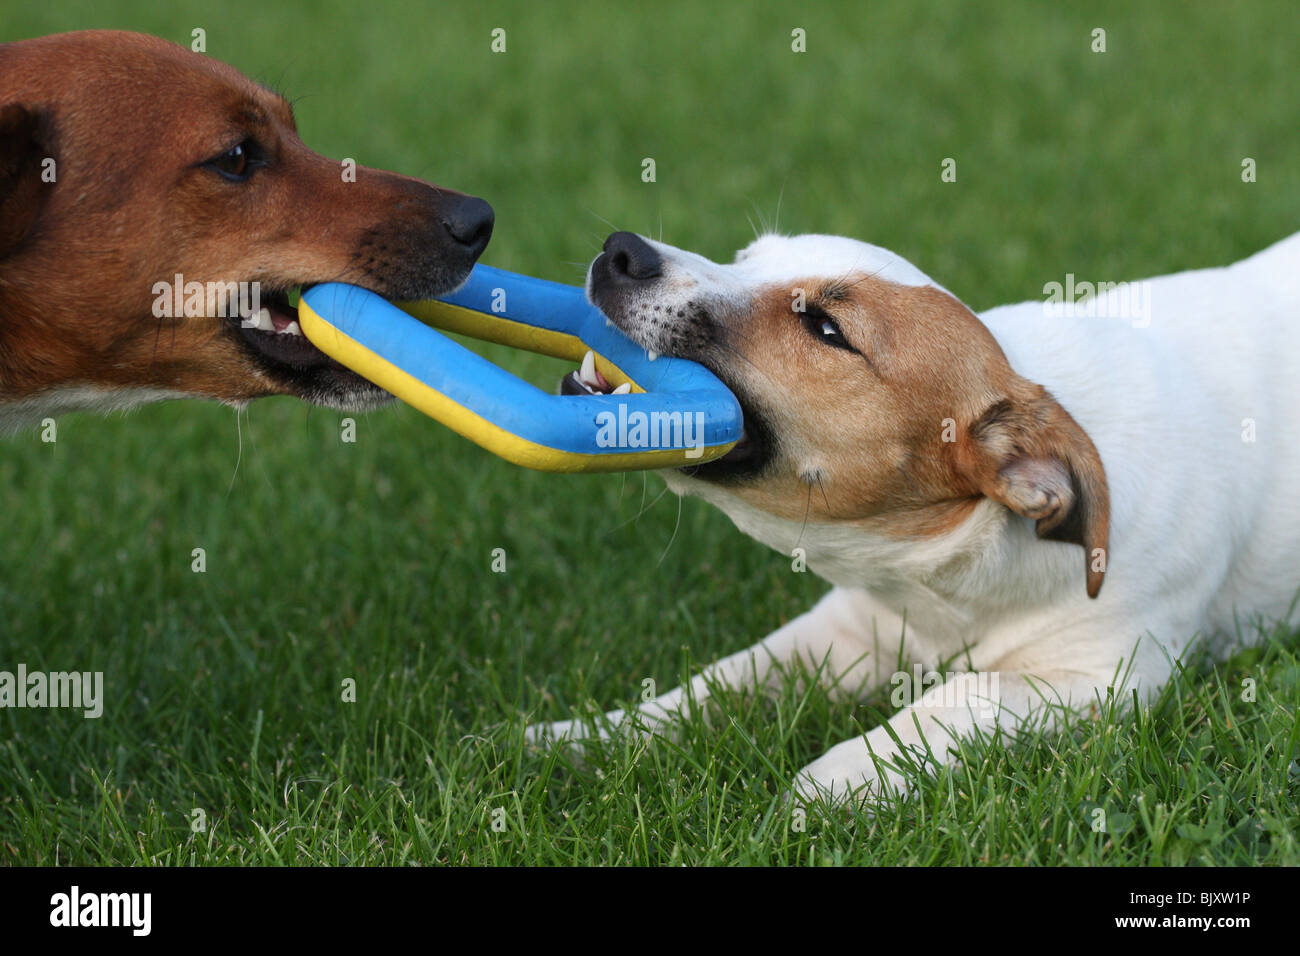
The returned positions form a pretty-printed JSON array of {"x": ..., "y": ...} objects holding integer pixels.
[{"x": 126, "y": 162}]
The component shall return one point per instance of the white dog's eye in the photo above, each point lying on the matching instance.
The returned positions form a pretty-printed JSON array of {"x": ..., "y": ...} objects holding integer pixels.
[{"x": 825, "y": 328}]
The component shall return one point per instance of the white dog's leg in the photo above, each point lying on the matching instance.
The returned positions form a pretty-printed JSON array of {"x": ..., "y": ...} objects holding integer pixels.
[
  {"x": 854, "y": 640},
  {"x": 964, "y": 704}
]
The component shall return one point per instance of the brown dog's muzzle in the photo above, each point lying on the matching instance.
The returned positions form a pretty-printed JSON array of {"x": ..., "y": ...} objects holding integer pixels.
[
  {"x": 398, "y": 237},
  {"x": 175, "y": 170}
]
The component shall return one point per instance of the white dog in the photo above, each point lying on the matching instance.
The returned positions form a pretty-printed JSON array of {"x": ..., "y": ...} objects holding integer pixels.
[{"x": 979, "y": 477}]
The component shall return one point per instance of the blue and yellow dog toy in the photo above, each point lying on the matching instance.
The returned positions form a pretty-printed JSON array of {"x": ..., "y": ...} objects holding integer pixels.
[{"x": 667, "y": 412}]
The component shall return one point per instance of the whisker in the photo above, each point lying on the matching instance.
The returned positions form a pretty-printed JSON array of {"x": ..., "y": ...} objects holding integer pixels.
[
  {"x": 239, "y": 455},
  {"x": 642, "y": 511},
  {"x": 807, "y": 509},
  {"x": 822, "y": 488},
  {"x": 676, "y": 525},
  {"x": 741, "y": 355},
  {"x": 592, "y": 212}
]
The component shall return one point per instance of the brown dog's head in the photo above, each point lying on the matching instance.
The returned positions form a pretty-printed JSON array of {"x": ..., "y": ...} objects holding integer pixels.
[
  {"x": 126, "y": 162},
  {"x": 872, "y": 397}
]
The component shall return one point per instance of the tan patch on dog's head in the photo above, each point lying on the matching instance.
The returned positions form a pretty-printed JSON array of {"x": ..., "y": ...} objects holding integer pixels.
[
  {"x": 872, "y": 415},
  {"x": 903, "y": 431}
]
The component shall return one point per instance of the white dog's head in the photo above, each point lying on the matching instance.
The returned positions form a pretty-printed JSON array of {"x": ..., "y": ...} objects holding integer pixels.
[{"x": 872, "y": 396}]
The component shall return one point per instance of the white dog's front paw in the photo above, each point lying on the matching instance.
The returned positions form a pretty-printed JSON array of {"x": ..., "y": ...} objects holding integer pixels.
[
  {"x": 574, "y": 733},
  {"x": 817, "y": 782},
  {"x": 847, "y": 774}
]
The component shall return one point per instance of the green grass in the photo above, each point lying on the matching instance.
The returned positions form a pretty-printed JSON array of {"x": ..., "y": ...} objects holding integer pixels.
[{"x": 372, "y": 561}]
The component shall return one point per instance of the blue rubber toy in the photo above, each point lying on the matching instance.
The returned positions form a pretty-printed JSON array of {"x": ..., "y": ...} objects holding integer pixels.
[{"x": 671, "y": 412}]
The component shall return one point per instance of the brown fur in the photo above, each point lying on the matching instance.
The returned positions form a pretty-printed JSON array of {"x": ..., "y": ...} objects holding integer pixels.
[
  {"x": 129, "y": 120},
  {"x": 905, "y": 438}
]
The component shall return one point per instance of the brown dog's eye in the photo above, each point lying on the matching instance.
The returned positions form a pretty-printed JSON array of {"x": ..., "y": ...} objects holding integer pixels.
[{"x": 238, "y": 162}]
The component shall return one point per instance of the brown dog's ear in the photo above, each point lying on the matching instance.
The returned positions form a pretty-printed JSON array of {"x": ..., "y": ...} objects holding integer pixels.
[
  {"x": 25, "y": 177},
  {"x": 1030, "y": 455}
]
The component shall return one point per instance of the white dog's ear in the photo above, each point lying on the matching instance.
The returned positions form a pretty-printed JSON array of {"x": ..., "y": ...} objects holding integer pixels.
[{"x": 1029, "y": 454}]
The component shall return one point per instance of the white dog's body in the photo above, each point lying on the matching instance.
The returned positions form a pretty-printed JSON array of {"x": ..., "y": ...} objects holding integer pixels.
[
  {"x": 1192, "y": 409},
  {"x": 1195, "y": 416}
]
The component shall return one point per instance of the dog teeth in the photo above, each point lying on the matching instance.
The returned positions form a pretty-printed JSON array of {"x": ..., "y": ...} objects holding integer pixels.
[
  {"x": 293, "y": 328},
  {"x": 589, "y": 379},
  {"x": 588, "y": 371},
  {"x": 651, "y": 355},
  {"x": 261, "y": 321}
]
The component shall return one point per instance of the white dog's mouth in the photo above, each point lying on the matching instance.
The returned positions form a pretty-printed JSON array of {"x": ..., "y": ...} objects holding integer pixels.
[
  {"x": 748, "y": 456},
  {"x": 587, "y": 380}
]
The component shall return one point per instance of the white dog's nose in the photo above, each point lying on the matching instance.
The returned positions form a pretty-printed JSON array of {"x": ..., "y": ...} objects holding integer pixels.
[{"x": 629, "y": 258}]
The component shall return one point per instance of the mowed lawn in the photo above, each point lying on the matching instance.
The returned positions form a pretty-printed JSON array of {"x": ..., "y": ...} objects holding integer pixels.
[{"x": 225, "y": 737}]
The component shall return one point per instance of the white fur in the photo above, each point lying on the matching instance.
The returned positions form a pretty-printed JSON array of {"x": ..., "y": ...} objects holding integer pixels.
[
  {"x": 1205, "y": 526},
  {"x": 25, "y": 412}
]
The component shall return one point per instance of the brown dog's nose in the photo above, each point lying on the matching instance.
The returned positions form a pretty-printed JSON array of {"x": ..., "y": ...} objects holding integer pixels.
[
  {"x": 631, "y": 257},
  {"x": 469, "y": 222}
]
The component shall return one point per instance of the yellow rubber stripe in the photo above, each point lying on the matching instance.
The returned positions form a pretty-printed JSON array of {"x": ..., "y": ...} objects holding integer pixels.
[
  {"x": 503, "y": 331},
  {"x": 468, "y": 424}
]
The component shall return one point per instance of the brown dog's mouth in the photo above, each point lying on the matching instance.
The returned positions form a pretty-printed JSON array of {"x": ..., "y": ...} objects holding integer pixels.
[
  {"x": 273, "y": 332},
  {"x": 272, "y": 337}
]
